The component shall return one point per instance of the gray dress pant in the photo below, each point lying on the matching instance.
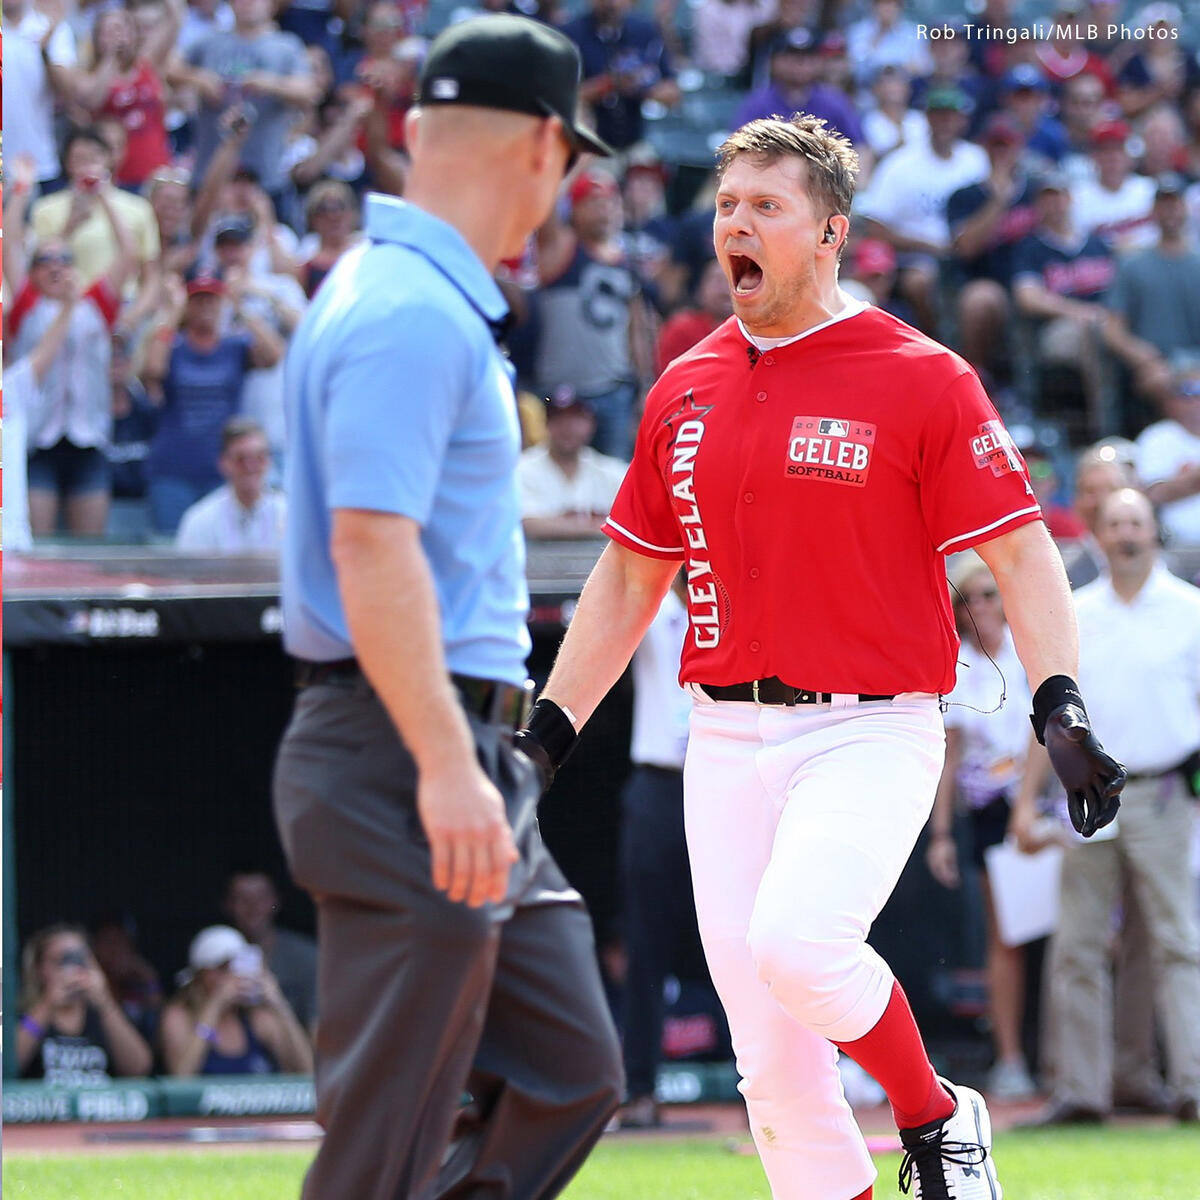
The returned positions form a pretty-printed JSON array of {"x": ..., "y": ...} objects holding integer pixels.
[
  {"x": 423, "y": 1001},
  {"x": 1152, "y": 846}
]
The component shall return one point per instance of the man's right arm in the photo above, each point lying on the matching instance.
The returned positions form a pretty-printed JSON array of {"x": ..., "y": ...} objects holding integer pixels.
[
  {"x": 391, "y": 609},
  {"x": 617, "y": 604}
]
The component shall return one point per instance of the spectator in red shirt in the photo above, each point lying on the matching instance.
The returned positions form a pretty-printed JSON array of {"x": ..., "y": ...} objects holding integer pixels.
[
  {"x": 688, "y": 326},
  {"x": 126, "y": 83}
]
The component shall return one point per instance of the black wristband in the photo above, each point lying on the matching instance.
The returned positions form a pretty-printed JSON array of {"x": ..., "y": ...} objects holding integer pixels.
[
  {"x": 1053, "y": 693},
  {"x": 552, "y": 729}
]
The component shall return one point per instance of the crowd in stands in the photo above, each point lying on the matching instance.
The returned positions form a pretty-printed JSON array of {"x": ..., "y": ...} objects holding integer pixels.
[
  {"x": 182, "y": 175},
  {"x": 92, "y": 1007}
]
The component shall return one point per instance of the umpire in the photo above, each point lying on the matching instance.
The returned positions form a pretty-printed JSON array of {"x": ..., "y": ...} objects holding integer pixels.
[{"x": 453, "y": 957}]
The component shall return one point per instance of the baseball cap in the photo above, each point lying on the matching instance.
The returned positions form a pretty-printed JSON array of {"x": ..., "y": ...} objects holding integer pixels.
[
  {"x": 1025, "y": 77},
  {"x": 205, "y": 285},
  {"x": 1000, "y": 129},
  {"x": 873, "y": 257},
  {"x": 566, "y": 399},
  {"x": 1169, "y": 183},
  {"x": 1157, "y": 13},
  {"x": 1108, "y": 132},
  {"x": 834, "y": 42},
  {"x": 214, "y": 946},
  {"x": 947, "y": 98},
  {"x": 510, "y": 63},
  {"x": 592, "y": 183},
  {"x": 233, "y": 227},
  {"x": 797, "y": 41}
]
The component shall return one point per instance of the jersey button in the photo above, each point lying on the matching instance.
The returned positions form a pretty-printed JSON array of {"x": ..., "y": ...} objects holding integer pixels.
[
  {"x": 749, "y": 497},
  {"x": 769, "y": 360},
  {"x": 754, "y": 572},
  {"x": 761, "y": 397},
  {"x": 755, "y": 647}
]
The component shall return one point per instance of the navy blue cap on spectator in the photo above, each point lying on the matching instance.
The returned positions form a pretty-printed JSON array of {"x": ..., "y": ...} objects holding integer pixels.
[
  {"x": 1169, "y": 183},
  {"x": 1025, "y": 77},
  {"x": 233, "y": 227},
  {"x": 509, "y": 63},
  {"x": 947, "y": 97},
  {"x": 565, "y": 399},
  {"x": 795, "y": 41}
]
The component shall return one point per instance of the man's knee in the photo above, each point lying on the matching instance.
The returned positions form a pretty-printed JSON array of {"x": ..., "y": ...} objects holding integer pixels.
[{"x": 807, "y": 971}]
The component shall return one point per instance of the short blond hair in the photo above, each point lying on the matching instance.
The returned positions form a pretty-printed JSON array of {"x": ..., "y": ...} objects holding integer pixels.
[{"x": 832, "y": 160}]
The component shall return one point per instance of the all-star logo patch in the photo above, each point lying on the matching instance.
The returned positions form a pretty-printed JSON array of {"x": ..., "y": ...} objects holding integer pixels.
[
  {"x": 835, "y": 449},
  {"x": 993, "y": 447}
]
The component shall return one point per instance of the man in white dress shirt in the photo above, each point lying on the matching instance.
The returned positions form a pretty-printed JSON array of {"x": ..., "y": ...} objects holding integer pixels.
[
  {"x": 567, "y": 487},
  {"x": 243, "y": 516},
  {"x": 1139, "y": 641}
]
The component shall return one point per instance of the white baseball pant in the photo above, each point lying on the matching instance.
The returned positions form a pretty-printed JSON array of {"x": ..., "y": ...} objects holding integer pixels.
[{"x": 799, "y": 823}]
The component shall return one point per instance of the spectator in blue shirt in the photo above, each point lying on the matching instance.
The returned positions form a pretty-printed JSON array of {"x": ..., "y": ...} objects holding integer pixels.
[
  {"x": 625, "y": 62},
  {"x": 794, "y": 86},
  {"x": 1026, "y": 97},
  {"x": 196, "y": 372}
]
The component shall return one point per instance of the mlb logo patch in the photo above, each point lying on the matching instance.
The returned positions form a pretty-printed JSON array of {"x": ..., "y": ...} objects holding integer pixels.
[
  {"x": 830, "y": 449},
  {"x": 443, "y": 88}
]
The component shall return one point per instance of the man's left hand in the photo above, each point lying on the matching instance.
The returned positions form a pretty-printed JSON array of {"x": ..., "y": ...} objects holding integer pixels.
[{"x": 1092, "y": 778}]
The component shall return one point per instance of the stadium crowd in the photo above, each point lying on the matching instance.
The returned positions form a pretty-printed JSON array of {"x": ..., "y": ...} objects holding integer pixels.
[{"x": 181, "y": 177}]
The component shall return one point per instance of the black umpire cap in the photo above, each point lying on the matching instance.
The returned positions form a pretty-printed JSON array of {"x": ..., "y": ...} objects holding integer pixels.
[{"x": 512, "y": 63}]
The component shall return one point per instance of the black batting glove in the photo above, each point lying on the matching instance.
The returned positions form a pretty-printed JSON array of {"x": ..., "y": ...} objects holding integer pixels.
[
  {"x": 1092, "y": 778},
  {"x": 547, "y": 739}
]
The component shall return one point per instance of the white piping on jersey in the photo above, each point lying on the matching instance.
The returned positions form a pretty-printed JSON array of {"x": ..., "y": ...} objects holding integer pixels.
[
  {"x": 988, "y": 528},
  {"x": 851, "y": 310},
  {"x": 649, "y": 545}
]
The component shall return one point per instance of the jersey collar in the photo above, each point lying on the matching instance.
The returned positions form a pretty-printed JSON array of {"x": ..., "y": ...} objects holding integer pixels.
[{"x": 852, "y": 309}]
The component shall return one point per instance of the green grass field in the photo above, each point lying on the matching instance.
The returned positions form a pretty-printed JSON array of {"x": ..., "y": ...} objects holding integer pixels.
[{"x": 1109, "y": 1164}]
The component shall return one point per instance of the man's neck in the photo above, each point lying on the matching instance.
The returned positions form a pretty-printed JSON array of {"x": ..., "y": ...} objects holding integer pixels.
[
  {"x": 566, "y": 461},
  {"x": 247, "y": 500},
  {"x": 249, "y": 31},
  {"x": 1130, "y": 581},
  {"x": 828, "y": 302},
  {"x": 470, "y": 209}
]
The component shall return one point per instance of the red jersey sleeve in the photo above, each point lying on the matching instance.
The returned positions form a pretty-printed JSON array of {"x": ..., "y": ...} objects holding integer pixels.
[
  {"x": 642, "y": 517},
  {"x": 973, "y": 481}
]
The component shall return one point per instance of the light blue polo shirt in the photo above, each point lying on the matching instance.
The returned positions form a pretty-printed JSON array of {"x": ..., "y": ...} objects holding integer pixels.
[{"x": 399, "y": 401}]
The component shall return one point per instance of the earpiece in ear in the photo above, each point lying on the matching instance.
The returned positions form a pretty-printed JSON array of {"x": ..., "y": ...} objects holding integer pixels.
[{"x": 830, "y": 233}]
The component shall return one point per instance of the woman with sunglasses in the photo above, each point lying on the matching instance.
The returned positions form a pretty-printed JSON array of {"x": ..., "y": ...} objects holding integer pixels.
[
  {"x": 985, "y": 754},
  {"x": 70, "y": 420},
  {"x": 72, "y": 1032}
]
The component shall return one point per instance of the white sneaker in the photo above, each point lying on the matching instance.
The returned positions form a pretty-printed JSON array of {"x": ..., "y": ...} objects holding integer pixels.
[{"x": 951, "y": 1159}]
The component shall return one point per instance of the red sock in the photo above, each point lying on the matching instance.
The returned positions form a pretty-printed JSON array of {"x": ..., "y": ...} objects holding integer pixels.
[{"x": 894, "y": 1054}]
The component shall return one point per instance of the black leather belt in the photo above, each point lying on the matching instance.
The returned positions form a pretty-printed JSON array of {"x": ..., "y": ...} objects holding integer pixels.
[
  {"x": 773, "y": 691},
  {"x": 494, "y": 702}
]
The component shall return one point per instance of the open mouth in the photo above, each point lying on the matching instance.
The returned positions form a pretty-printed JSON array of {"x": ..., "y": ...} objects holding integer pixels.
[{"x": 747, "y": 274}]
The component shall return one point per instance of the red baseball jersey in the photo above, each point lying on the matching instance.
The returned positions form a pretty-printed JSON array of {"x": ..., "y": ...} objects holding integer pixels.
[{"x": 814, "y": 491}]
